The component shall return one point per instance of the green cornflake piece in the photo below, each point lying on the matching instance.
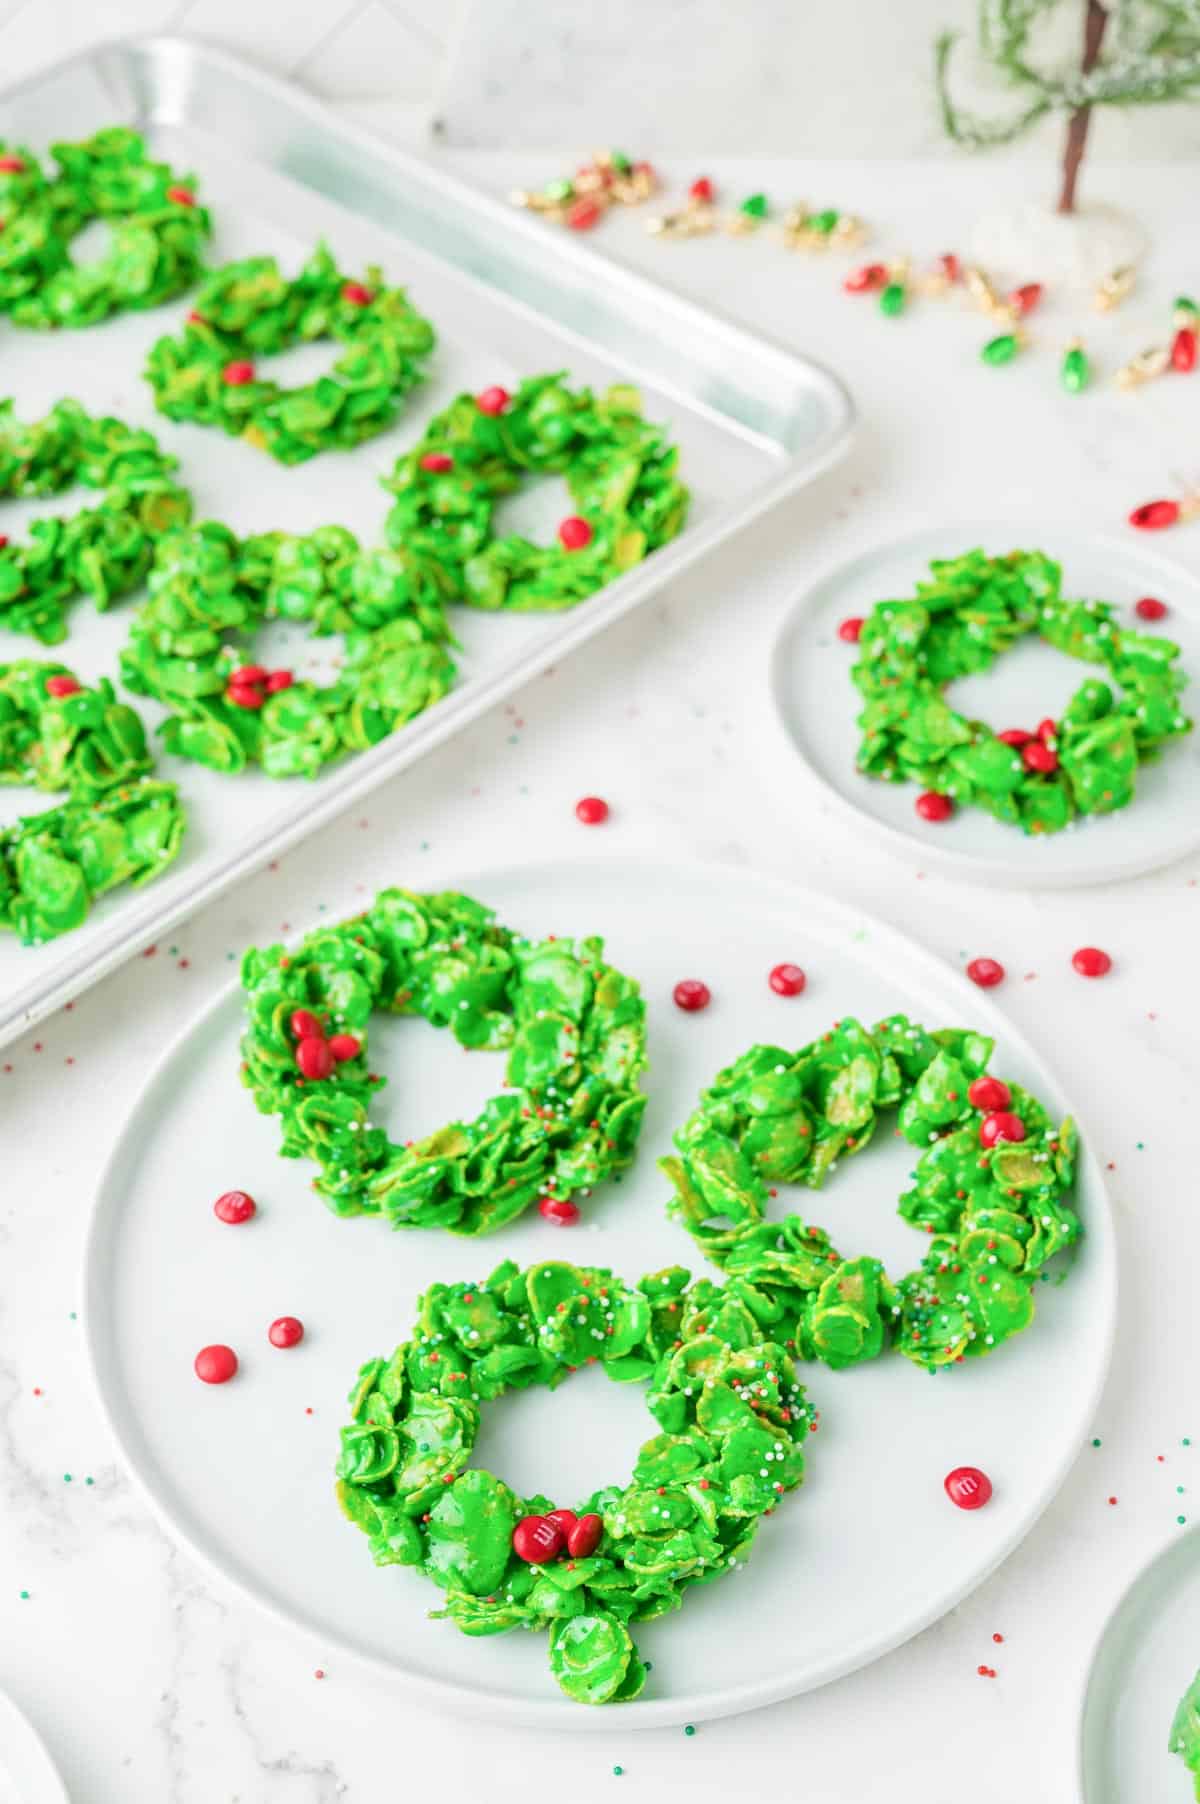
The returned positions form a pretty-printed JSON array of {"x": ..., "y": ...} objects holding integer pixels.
[
  {"x": 892, "y": 299},
  {"x": 1001, "y": 349},
  {"x": 755, "y": 206},
  {"x": 689, "y": 1511},
  {"x": 1076, "y": 370},
  {"x": 968, "y": 611},
  {"x": 574, "y": 1030},
  {"x": 103, "y": 551},
  {"x": 116, "y": 826},
  {"x": 995, "y": 1220},
  {"x": 1185, "y": 1732},
  {"x": 620, "y": 471},
  {"x": 249, "y": 310},
  {"x": 157, "y": 230},
  {"x": 209, "y": 594}
]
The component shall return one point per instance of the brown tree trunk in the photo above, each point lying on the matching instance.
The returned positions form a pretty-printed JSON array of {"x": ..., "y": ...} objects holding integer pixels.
[{"x": 1077, "y": 129}]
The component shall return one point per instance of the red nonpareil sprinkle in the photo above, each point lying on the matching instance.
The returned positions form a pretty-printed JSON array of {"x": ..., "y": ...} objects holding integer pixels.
[
  {"x": 238, "y": 373},
  {"x": 559, "y": 1211},
  {"x": 286, "y": 1331},
  {"x": 344, "y": 1046},
  {"x": 851, "y": 628},
  {"x": 215, "y": 1364},
  {"x": 592, "y": 811},
  {"x": 493, "y": 400},
  {"x": 183, "y": 197},
  {"x": 988, "y": 1093},
  {"x": 62, "y": 685},
  {"x": 933, "y": 807},
  {"x": 1150, "y": 608},
  {"x": 574, "y": 533},
  {"x": 437, "y": 462},
  {"x": 234, "y": 1207},
  {"x": 1090, "y": 961},
  {"x": 690, "y": 994},
  {"x": 968, "y": 1487},
  {"x": 1112, "y": 1500},
  {"x": 703, "y": 191},
  {"x": 997, "y": 1638},
  {"x": 986, "y": 972},
  {"x": 304, "y": 1025},
  {"x": 356, "y": 294},
  {"x": 786, "y": 980},
  {"x": 314, "y": 1058},
  {"x": 319, "y": 1673}
]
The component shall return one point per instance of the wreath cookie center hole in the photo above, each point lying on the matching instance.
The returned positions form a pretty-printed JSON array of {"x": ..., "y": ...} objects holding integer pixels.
[
  {"x": 569, "y": 1442},
  {"x": 535, "y": 510},
  {"x": 1030, "y": 682},
  {"x": 292, "y": 645},
  {"x": 296, "y": 366},
  {"x": 92, "y": 243},
  {"x": 858, "y": 1200},
  {"x": 423, "y": 1066}
]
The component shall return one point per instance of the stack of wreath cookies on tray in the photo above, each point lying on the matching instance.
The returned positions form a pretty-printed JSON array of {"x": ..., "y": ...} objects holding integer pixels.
[
  {"x": 190, "y": 646},
  {"x": 720, "y": 1358}
]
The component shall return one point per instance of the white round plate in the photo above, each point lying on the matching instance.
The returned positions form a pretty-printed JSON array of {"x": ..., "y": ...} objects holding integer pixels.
[
  {"x": 27, "y": 1773},
  {"x": 818, "y": 704},
  {"x": 1145, "y": 1659},
  {"x": 867, "y": 1553}
]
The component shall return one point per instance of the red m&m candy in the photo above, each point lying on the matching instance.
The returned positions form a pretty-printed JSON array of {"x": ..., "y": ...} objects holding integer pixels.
[
  {"x": 786, "y": 980},
  {"x": 584, "y": 1538},
  {"x": 933, "y": 807},
  {"x": 591, "y": 810},
  {"x": 690, "y": 994},
  {"x": 493, "y": 400},
  {"x": 536, "y": 1540},
  {"x": 988, "y": 1093},
  {"x": 215, "y": 1364},
  {"x": 1090, "y": 961},
  {"x": 314, "y": 1058},
  {"x": 234, "y": 1207},
  {"x": 968, "y": 1487},
  {"x": 986, "y": 972},
  {"x": 286, "y": 1331},
  {"x": 1000, "y": 1126},
  {"x": 559, "y": 1210}
]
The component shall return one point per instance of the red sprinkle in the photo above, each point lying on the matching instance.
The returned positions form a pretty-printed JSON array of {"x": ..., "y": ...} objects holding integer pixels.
[
  {"x": 584, "y": 1538},
  {"x": 537, "y": 1540},
  {"x": 1150, "y": 608},
  {"x": 314, "y": 1058},
  {"x": 950, "y": 266},
  {"x": 238, "y": 373},
  {"x": 304, "y": 1025},
  {"x": 986, "y": 972},
  {"x": 183, "y": 197},
  {"x": 286, "y": 1331},
  {"x": 438, "y": 462},
  {"x": 62, "y": 685},
  {"x": 1039, "y": 757},
  {"x": 234, "y": 1207},
  {"x": 1090, "y": 961},
  {"x": 968, "y": 1487},
  {"x": 933, "y": 807},
  {"x": 356, "y": 294},
  {"x": 493, "y": 400},
  {"x": 786, "y": 980},
  {"x": 559, "y": 1211},
  {"x": 690, "y": 994},
  {"x": 851, "y": 629},
  {"x": 988, "y": 1093},
  {"x": 344, "y": 1046},
  {"x": 574, "y": 533},
  {"x": 1001, "y": 1126},
  {"x": 592, "y": 811},
  {"x": 215, "y": 1364}
]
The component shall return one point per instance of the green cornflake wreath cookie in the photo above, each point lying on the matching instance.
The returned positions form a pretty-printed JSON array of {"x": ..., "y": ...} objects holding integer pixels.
[
  {"x": 573, "y": 1028},
  {"x": 1185, "y": 1732},
  {"x": 158, "y": 231},
  {"x": 249, "y": 310},
  {"x": 971, "y": 610},
  {"x": 732, "y": 1417},
  {"x": 117, "y": 825},
  {"x": 210, "y": 592},
  {"x": 103, "y": 551},
  {"x": 990, "y": 1187},
  {"x": 619, "y": 469}
]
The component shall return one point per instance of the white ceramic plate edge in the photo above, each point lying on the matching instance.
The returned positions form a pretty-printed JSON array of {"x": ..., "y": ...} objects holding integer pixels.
[
  {"x": 33, "y": 1766},
  {"x": 456, "y": 1698},
  {"x": 964, "y": 865}
]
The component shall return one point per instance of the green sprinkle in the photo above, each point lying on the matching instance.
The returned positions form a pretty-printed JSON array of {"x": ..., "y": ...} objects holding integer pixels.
[
  {"x": 25, "y": 1594},
  {"x": 66, "y": 1478},
  {"x": 618, "y": 1770},
  {"x": 689, "y": 1728},
  {"x": 1096, "y": 1442},
  {"x": 1181, "y": 1520}
]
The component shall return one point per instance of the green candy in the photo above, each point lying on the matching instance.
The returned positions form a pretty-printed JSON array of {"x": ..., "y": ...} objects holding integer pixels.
[
  {"x": 103, "y": 551},
  {"x": 892, "y": 299},
  {"x": 573, "y": 1028},
  {"x": 249, "y": 310},
  {"x": 116, "y": 826},
  {"x": 1185, "y": 1731},
  {"x": 209, "y": 594},
  {"x": 969, "y": 611},
  {"x": 996, "y": 1216},
  {"x": 620, "y": 472},
  {"x": 157, "y": 230},
  {"x": 731, "y": 1416}
]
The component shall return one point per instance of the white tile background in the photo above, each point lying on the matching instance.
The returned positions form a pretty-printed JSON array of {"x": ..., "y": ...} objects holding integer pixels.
[{"x": 797, "y": 77}]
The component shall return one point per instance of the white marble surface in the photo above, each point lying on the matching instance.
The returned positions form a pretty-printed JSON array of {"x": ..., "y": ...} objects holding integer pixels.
[{"x": 151, "y": 1683}]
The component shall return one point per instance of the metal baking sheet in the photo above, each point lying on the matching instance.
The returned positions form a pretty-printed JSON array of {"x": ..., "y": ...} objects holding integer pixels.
[{"x": 508, "y": 298}]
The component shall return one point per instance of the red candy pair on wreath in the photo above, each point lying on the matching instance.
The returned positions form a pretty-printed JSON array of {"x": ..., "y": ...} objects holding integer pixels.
[
  {"x": 1039, "y": 749},
  {"x": 540, "y": 1539},
  {"x": 316, "y": 1055},
  {"x": 250, "y": 685}
]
